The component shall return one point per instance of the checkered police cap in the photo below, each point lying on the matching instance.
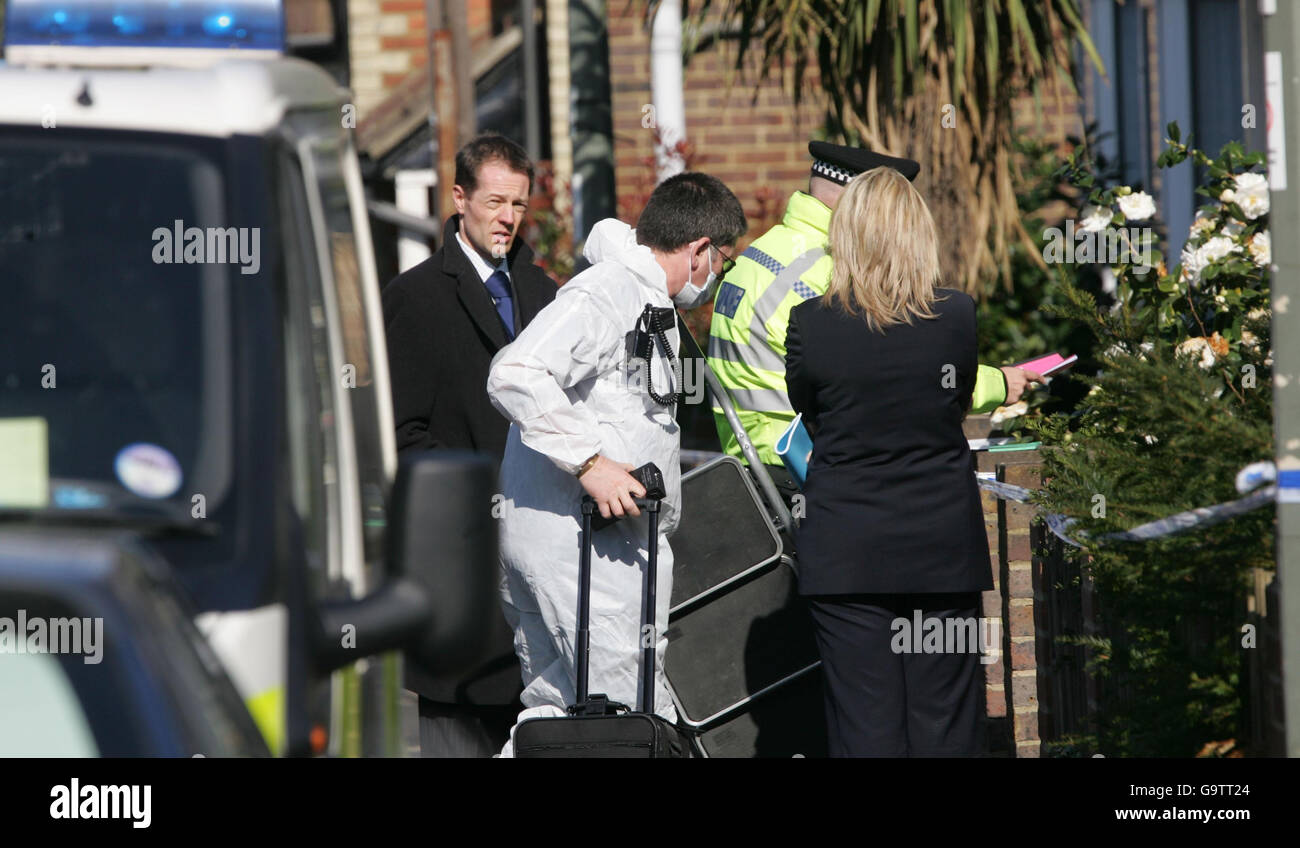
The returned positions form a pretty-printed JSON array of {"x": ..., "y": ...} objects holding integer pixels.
[{"x": 839, "y": 163}]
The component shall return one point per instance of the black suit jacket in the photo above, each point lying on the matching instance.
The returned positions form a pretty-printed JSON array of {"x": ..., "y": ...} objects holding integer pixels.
[
  {"x": 891, "y": 502},
  {"x": 442, "y": 334}
]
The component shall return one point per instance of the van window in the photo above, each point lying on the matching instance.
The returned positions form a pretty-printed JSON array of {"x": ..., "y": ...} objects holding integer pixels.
[
  {"x": 114, "y": 338},
  {"x": 356, "y": 377},
  {"x": 40, "y": 714}
]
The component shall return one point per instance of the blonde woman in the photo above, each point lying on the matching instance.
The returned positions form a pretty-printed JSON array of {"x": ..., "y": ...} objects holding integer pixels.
[{"x": 892, "y": 550}]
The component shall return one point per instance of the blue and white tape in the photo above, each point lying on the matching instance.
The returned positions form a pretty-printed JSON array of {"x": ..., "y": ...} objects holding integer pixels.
[
  {"x": 1288, "y": 486},
  {"x": 1178, "y": 523}
]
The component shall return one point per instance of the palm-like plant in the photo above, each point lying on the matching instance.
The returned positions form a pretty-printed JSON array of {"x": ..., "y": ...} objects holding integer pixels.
[{"x": 931, "y": 79}]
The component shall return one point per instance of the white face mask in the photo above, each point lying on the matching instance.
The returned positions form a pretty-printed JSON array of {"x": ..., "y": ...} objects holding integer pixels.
[{"x": 692, "y": 295}]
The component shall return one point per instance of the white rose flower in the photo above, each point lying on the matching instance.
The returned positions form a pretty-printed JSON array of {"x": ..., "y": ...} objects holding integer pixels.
[
  {"x": 1193, "y": 264},
  {"x": 1138, "y": 206},
  {"x": 1199, "y": 346},
  {"x": 1261, "y": 249},
  {"x": 1249, "y": 340},
  {"x": 1195, "y": 260},
  {"x": 1250, "y": 192},
  {"x": 1233, "y": 228},
  {"x": 1204, "y": 222},
  {"x": 1217, "y": 248},
  {"x": 1095, "y": 219}
]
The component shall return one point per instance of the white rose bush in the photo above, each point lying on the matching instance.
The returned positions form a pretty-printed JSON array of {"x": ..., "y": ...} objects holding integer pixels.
[
  {"x": 1221, "y": 279},
  {"x": 1219, "y": 293},
  {"x": 1180, "y": 402}
]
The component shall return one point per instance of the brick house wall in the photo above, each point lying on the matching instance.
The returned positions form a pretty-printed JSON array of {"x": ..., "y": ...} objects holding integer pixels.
[
  {"x": 1055, "y": 115},
  {"x": 750, "y": 136},
  {"x": 758, "y": 147},
  {"x": 389, "y": 41}
]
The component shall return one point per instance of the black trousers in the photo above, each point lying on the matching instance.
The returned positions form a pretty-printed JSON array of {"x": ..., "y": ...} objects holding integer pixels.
[{"x": 886, "y": 698}]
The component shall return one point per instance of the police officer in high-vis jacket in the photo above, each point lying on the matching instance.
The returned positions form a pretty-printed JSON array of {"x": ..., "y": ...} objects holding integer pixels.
[{"x": 779, "y": 270}]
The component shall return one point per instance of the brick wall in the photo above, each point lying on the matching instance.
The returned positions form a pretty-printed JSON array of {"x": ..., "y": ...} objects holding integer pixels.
[
  {"x": 751, "y": 137},
  {"x": 1054, "y": 114},
  {"x": 479, "y": 15},
  {"x": 750, "y": 144},
  {"x": 389, "y": 41}
]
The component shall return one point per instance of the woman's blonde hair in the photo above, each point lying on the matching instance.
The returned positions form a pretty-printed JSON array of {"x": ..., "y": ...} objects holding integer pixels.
[{"x": 886, "y": 255}]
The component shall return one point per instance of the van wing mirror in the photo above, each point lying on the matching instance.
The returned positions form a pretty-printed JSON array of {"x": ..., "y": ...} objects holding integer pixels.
[{"x": 443, "y": 538}]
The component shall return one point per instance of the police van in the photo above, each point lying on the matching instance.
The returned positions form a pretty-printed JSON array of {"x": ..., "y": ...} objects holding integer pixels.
[{"x": 196, "y": 441}]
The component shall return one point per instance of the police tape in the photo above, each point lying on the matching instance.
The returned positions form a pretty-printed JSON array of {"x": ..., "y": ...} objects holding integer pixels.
[{"x": 1172, "y": 525}]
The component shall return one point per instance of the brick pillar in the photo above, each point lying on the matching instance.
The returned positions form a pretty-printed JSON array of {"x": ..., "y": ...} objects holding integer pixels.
[
  {"x": 998, "y": 736},
  {"x": 1011, "y": 684},
  {"x": 1015, "y": 553}
]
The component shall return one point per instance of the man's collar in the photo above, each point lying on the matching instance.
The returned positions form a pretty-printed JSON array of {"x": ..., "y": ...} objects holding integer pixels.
[
  {"x": 519, "y": 255},
  {"x": 808, "y": 214},
  {"x": 476, "y": 259}
]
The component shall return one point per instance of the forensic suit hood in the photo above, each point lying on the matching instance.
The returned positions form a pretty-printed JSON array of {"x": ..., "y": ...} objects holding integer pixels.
[{"x": 571, "y": 389}]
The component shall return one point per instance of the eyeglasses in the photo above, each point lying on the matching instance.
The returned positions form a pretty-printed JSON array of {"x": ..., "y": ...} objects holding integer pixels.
[{"x": 727, "y": 262}]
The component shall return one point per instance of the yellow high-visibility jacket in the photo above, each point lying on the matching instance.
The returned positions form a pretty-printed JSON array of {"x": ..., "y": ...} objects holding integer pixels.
[{"x": 781, "y": 269}]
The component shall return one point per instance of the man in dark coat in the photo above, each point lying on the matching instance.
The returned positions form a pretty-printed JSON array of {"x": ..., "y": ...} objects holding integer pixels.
[{"x": 445, "y": 319}]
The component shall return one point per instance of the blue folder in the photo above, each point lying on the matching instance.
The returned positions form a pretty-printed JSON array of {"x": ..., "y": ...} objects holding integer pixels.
[{"x": 795, "y": 449}]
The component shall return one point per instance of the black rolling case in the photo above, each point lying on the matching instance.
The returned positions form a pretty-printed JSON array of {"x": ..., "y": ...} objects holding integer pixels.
[{"x": 597, "y": 727}]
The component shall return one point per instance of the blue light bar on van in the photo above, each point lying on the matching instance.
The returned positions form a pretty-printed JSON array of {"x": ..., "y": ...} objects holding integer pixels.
[{"x": 247, "y": 24}]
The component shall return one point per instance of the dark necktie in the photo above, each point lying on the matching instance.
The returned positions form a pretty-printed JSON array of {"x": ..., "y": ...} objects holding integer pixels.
[{"x": 498, "y": 285}]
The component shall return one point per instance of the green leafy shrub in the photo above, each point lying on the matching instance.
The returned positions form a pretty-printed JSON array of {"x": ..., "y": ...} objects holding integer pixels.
[{"x": 1182, "y": 402}]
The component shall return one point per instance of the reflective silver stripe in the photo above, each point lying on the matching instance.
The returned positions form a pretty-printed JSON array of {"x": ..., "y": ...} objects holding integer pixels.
[
  {"x": 757, "y": 355},
  {"x": 761, "y": 400},
  {"x": 781, "y": 286}
]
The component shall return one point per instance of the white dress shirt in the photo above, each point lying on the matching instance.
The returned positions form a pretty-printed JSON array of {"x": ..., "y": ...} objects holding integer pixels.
[{"x": 476, "y": 259}]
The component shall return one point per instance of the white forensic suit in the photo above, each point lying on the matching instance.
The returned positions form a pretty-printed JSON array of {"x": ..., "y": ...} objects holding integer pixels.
[{"x": 571, "y": 389}]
